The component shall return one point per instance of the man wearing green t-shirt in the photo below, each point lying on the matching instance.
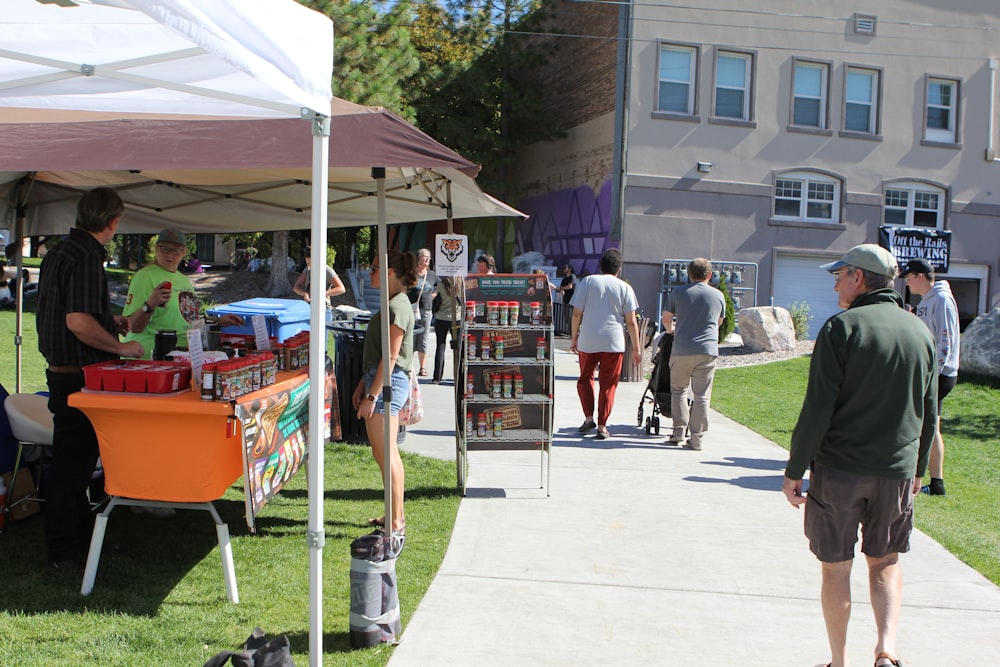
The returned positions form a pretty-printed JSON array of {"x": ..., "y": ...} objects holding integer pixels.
[{"x": 158, "y": 291}]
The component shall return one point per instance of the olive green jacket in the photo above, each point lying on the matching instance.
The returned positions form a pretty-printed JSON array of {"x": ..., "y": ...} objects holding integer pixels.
[{"x": 871, "y": 403}]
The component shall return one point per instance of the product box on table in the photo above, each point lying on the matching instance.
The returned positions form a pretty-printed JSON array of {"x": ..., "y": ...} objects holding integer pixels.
[
  {"x": 285, "y": 317},
  {"x": 138, "y": 376}
]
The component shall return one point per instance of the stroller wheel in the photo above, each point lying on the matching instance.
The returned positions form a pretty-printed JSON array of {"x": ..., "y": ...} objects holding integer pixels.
[
  {"x": 656, "y": 425},
  {"x": 639, "y": 421},
  {"x": 649, "y": 424}
]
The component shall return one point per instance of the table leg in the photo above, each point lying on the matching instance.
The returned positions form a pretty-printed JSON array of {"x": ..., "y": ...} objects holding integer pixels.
[
  {"x": 228, "y": 570},
  {"x": 94, "y": 555}
]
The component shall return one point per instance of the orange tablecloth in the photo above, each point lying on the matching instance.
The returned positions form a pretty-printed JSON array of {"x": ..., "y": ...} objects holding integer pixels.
[{"x": 169, "y": 448}]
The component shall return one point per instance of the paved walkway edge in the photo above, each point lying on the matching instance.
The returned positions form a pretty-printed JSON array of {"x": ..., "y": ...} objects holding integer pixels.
[{"x": 649, "y": 554}]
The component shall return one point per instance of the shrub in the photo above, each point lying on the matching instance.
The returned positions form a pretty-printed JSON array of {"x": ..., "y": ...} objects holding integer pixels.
[
  {"x": 728, "y": 325},
  {"x": 800, "y": 318}
]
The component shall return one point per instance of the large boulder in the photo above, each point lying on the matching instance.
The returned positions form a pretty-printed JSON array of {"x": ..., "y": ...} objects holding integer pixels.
[
  {"x": 767, "y": 329},
  {"x": 981, "y": 345}
]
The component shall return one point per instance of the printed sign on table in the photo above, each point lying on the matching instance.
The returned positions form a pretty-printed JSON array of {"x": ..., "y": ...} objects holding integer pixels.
[
  {"x": 197, "y": 354},
  {"x": 261, "y": 337},
  {"x": 275, "y": 425}
]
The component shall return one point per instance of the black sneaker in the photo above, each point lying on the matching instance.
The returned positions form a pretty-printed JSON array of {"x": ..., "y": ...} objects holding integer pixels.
[
  {"x": 932, "y": 490},
  {"x": 587, "y": 426}
]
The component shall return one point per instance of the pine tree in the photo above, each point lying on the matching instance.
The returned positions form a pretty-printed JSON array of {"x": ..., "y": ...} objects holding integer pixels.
[
  {"x": 728, "y": 325},
  {"x": 374, "y": 57}
]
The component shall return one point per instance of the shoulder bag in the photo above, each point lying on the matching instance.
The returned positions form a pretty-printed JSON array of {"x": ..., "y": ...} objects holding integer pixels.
[{"x": 413, "y": 410}]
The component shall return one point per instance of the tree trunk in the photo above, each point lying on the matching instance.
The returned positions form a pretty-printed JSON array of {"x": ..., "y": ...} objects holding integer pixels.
[
  {"x": 500, "y": 245},
  {"x": 278, "y": 284}
]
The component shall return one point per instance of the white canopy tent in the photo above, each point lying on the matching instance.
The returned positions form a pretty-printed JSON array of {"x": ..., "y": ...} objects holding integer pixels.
[{"x": 152, "y": 63}]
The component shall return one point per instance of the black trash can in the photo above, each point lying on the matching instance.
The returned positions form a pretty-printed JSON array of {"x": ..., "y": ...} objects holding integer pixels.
[
  {"x": 350, "y": 343},
  {"x": 350, "y": 347}
]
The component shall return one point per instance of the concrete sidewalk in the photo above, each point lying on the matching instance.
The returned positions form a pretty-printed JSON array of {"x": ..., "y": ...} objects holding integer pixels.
[{"x": 648, "y": 554}]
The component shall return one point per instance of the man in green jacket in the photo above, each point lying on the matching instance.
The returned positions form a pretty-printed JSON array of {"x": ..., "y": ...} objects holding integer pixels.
[{"x": 865, "y": 431}]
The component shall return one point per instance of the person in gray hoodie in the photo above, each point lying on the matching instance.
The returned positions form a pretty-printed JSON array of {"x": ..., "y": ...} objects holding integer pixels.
[{"x": 938, "y": 310}]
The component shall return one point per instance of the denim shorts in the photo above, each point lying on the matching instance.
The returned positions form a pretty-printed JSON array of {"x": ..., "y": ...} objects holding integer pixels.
[{"x": 400, "y": 389}]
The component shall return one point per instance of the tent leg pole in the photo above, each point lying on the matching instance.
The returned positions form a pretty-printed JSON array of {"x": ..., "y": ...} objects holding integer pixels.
[
  {"x": 378, "y": 173},
  {"x": 316, "y": 535}
]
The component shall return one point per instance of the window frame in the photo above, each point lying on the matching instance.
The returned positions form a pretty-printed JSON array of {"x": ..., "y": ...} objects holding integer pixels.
[
  {"x": 936, "y": 136},
  {"x": 913, "y": 186},
  {"x": 807, "y": 176},
  {"x": 747, "y": 118},
  {"x": 824, "y": 100},
  {"x": 693, "y": 89},
  {"x": 875, "y": 114}
]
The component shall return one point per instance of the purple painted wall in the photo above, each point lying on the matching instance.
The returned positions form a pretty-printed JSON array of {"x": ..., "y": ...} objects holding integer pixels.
[{"x": 568, "y": 227}]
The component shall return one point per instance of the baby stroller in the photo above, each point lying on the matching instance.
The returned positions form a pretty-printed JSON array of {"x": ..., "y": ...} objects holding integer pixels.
[{"x": 658, "y": 390}]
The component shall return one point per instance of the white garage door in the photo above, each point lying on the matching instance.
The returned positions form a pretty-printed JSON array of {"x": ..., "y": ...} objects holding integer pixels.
[{"x": 799, "y": 279}]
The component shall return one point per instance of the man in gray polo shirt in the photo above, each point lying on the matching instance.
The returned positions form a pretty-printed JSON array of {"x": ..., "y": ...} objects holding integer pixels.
[{"x": 699, "y": 309}]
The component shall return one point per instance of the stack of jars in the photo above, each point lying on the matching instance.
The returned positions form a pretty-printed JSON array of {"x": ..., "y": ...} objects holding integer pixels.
[
  {"x": 500, "y": 385},
  {"x": 484, "y": 424},
  {"x": 228, "y": 380},
  {"x": 294, "y": 352},
  {"x": 498, "y": 313}
]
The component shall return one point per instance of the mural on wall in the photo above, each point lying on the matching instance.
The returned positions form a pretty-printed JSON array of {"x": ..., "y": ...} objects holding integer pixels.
[
  {"x": 568, "y": 227},
  {"x": 482, "y": 233}
]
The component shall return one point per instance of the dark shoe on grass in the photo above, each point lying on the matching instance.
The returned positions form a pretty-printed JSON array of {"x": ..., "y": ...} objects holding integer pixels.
[{"x": 65, "y": 567}]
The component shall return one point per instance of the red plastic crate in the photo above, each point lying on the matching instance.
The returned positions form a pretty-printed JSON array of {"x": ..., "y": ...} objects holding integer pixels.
[
  {"x": 168, "y": 376},
  {"x": 113, "y": 375},
  {"x": 93, "y": 377},
  {"x": 137, "y": 376}
]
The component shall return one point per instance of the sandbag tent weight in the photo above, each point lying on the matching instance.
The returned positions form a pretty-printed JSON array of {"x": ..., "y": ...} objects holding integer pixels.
[{"x": 375, "y": 616}]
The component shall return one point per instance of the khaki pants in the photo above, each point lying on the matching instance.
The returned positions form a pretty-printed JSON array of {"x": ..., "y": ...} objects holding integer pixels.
[{"x": 698, "y": 372}]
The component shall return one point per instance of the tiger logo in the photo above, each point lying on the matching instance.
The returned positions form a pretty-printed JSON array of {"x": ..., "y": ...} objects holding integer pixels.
[{"x": 451, "y": 248}]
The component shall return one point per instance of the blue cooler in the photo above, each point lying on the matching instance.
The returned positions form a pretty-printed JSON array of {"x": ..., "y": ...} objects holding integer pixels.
[{"x": 285, "y": 317}]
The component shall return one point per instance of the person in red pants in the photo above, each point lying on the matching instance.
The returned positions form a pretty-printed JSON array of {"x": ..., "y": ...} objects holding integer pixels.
[{"x": 601, "y": 304}]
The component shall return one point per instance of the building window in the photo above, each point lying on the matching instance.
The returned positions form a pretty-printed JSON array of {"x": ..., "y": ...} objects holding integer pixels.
[
  {"x": 678, "y": 65},
  {"x": 861, "y": 100},
  {"x": 808, "y": 197},
  {"x": 942, "y": 111},
  {"x": 809, "y": 99},
  {"x": 914, "y": 205},
  {"x": 733, "y": 79}
]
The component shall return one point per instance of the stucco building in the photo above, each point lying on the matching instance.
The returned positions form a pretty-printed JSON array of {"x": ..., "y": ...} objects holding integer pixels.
[{"x": 778, "y": 134}]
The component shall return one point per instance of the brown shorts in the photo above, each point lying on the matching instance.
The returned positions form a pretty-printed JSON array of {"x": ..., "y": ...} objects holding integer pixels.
[{"x": 838, "y": 502}]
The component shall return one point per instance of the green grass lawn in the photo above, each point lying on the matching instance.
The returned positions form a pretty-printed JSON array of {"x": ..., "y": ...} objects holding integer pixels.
[
  {"x": 768, "y": 398},
  {"x": 164, "y": 601},
  {"x": 33, "y": 364}
]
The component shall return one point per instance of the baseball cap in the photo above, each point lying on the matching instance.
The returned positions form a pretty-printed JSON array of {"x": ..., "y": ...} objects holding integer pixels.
[
  {"x": 867, "y": 256},
  {"x": 171, "y": 235},
  {"x": 917, "y": 265}
]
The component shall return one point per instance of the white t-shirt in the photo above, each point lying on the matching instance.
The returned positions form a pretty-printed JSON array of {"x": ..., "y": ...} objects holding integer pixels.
[{"x": 604, "y": 300}]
